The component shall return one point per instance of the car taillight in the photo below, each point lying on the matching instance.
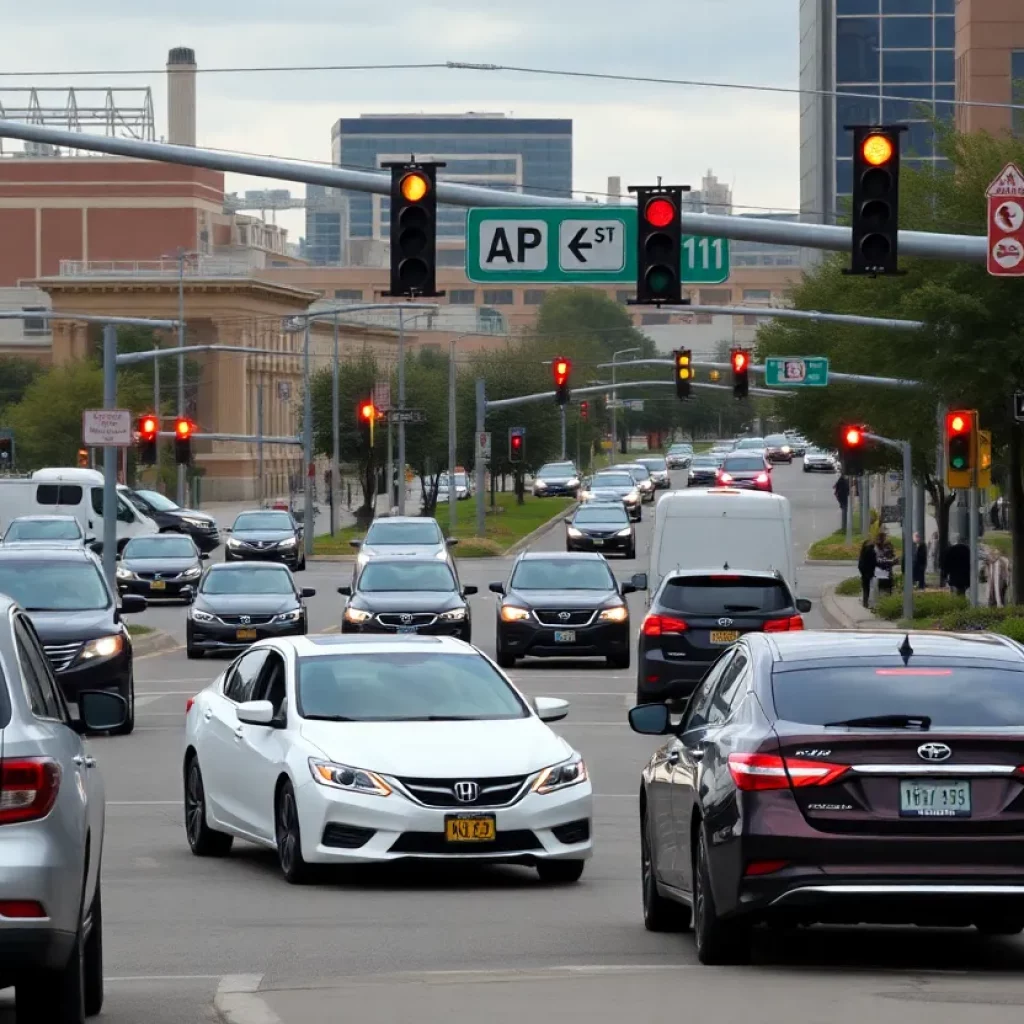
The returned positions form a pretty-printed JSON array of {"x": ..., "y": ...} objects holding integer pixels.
[
  {"x": 755, "y": 772},
  {"x": 21, "y": 909},
  {"x": 761, "y": 478},
  {"x": 784, "y": 625},
  {"x": 657, "y": 625},
  {"x": 724, "y": 478},
  {"x": 28, "y": 788},
  {"x": 188, "y": 705},
  {"x": 764, "y": 867}
]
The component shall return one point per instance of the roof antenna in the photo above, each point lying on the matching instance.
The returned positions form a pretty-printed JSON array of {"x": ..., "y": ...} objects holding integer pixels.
[
  {"x": 726, "y": 566},
  {"x": 906, "y": 650}
]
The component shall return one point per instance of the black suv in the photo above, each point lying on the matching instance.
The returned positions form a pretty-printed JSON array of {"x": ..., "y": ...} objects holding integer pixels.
[
  {"x": 696, "y": 614},
  {"x": 170, "y": 517}
]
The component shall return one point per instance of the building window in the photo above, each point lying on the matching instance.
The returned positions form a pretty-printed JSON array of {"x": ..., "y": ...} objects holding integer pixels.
[
  {"x": 499, "y": 297},
  {"x": 715, "y": 296},
  {"x": 907, "y": 33},
  {"x": 757, "y": 295},
  {"x": 856, "y": 7},
  {"x": 857, "y": 46},
  {"x": 907, "y": 66},
  {"x": 349, "y": 294},
  {"x": 1017, "y": 89},
  {"x": 35, "y": 325},
  {"x": 451, "y": 258},
  {"x": 534, "y": 296},
  {"x": 462, "y": 297},
  {"x": 653, "y": 319},
  {"x": 624, "y": 296}
]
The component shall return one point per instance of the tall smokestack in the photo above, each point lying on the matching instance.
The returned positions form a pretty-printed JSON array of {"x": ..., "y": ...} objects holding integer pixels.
[{"x": 181, "y": 96}]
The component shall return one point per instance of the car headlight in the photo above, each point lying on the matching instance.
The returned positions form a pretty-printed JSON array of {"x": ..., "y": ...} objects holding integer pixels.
[
  {"x": 510, "y": 613},
  {"x": 574, "y": 482},
  {"x": 441, "y": 556},
  {"x": 292, "y": 616},
  {"x": 289, "y": 542},
  {"x": 357, "y": 615},
  {"x": 234, "y": 542},
  {"x": 362, "y": 558},
  {"x": 191, "y": 574},
  {"x": 352, "y": 780},
  {"x": 561, "y": 776},
  {"x": 124, "y": 574},
  {"x": 626, "y": 532},
  {"x": 455, "y": 615},
  {"x": 573, "y": 532},
  {"x": 633, "y": 496},
  {"x": 201, "y": 616},
  {"x": 539, "y": 485},
  {"x": 201, "y": 524},
  {"x": 619, "y": 614},
  {"x": 103, "y": 647},
  {"x": 786, "y": 449}
]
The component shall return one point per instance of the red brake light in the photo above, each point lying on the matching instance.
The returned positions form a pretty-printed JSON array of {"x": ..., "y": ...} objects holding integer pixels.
[
  {"x": 28, "y": 789},
  {"x": 21, "y": 909},
  {"x": 764, "y": 867},
  {"x": 757, "y": 772},
  {"x": 761, "y": 478},
  {"x": 657, "y": 625},
  {"x": 784, "y": 625},
  {"x": 188, "y": 704},
  {"x": 724, "y": 477}
]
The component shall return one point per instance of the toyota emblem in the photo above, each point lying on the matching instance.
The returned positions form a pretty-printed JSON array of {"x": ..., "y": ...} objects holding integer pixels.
[
  {"x": 245, "y": 619},
  {"x": 405, "y": 619},
  {"x": 466, "y": 792},
  {"x": 725, "y": 622},
  {"x": 564, "y": 616},
  {"x": 934, "y": 752}
]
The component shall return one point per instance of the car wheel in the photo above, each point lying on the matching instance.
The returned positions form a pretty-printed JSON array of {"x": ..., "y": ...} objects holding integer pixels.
[
  {"x": 718, "y": 942},
  {"x": 618, "y": 660},
  {"x": 289, "y": 839},
  {"x": 1000, "y": 926},
  {"x": 93, "y": 966},
  {"x": 128, "y": 727},
  {"x": 55, "y": 996},
  {"x": 193, "y": 653},
  {"x": 631, "y": 551},
  {"x": 660, "y": 914},
  {"x": 504, "y": 660},
  {"x": 561, "y": 872},
  {"x": 202, "y": 840}
]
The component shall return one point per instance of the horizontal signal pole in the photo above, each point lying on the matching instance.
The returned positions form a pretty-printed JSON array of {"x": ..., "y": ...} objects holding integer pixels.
[
  {"x": 958, "y": 248},
  {"x": 603, "y": 389},
  {"x": 88, "y": 318},
  {"x": 199, "y": 435},
  {"x": 802, "y": 314}
]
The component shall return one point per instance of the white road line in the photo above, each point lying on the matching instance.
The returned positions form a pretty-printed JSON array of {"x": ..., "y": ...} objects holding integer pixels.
[
  {"x": 128, "y": 979},
  {"x": 236, "y": 1001},
  {"x": 144, "y": 699}
]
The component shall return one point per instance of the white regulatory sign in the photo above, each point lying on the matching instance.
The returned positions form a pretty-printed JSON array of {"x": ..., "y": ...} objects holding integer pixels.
[
  {"x": 103, "y": 427},
  {"x": 483, "y": 446},
  {"x": 514, "y": 245},
  {"x": 591, "y": 245}
]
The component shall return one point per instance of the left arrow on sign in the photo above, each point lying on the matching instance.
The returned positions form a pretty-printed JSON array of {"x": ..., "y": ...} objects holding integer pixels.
[{"x": 577, "y": 243}]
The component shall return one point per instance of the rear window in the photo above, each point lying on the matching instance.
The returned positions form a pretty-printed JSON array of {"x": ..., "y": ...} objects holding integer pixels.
[
  {"x": 744, "y": 464},
  {"x": 952, "y": 696},
  {"x": 708, "y": 595}
]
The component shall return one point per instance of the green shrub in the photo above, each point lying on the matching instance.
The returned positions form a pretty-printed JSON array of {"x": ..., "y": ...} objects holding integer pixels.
[
  {"x": 849, "y": 588},
  {"x": 1013, "y": 627},
  {"x": 928, "y": 604},
  {"x": 966, "y": 620}
]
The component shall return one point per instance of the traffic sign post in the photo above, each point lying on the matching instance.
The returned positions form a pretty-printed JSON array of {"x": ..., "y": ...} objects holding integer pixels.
[
  {"x": 1006, "y": 223},
  {"x": 103, "y": 428},
  {"x": 404, "y": 415},
  {"x": 572, "y": 245},
  {"x": 796, "y": 372}
]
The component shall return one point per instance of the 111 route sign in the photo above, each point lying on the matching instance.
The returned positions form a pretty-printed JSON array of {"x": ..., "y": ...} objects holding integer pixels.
[
  {"x": 1005, "y": 198},
  {"x": 573, "y": 245}
]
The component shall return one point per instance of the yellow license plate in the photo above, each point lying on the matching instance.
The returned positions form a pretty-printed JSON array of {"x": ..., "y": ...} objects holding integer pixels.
[
  {"x": 245, "y": 634},
  {"x": 470, "y": 829},
  {"x": 724, "y": 636},
  {"x": 157, "y": 585}
]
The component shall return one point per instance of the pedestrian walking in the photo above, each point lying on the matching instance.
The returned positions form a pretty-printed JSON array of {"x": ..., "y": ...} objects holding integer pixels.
[
  {"x": 885, "y": 560},
  {"x": 957, "y": 567},
  {"x": 842, "y": 492},
  {"x": 866, "y": 565},
  {"x": 920, "y": 562}
]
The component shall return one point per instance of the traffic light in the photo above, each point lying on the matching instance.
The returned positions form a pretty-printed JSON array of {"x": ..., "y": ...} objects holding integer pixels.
[
  {"x": 984, "y": 459},
  {"x": 659, "y": 246},
  {"x": 584, "y": 411},
  {"x": 740, "y": 359},
  {"x": 516, "y": 444},
  {"x": 149, "y": 427},
  {"x": 714, "y": 376},
  {"x": 6, "y": 453},
  {"x": 560, "y": 369},
  {"x": 184, "y": 428},
  {"x": 875, "y": 206},
  {"x": 83, "y": 458},
  {"x": 684, "y": 372},
  {"x": 961, "y": 448},
  {"x": 851, "y": 449},
  {"x": 368, "y": 414},
  {"x": 413, "y": 229}
]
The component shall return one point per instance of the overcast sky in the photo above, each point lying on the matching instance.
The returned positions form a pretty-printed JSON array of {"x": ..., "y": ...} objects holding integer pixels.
[{"x": 638, "y": 131}]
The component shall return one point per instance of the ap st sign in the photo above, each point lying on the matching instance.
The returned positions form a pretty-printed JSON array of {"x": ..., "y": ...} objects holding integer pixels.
[{"x": 573, "y": 245}]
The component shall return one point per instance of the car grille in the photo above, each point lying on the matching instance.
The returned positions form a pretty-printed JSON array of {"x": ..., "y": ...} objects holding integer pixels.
[
  {"x": 62, "y": 655},
  {"x": 245, "y": 620},
  {"x": 168, "y": 576},
  {"x": 565, "y": 618},
  {"x": 397, "y": 619},
  {"x": 346, "y": 837},
  {"x": 493, "y": 792},
  {"x": 599, "y": 534},
  {"x": 514, "y": 841},
  {"x": 261, "y": 545}
]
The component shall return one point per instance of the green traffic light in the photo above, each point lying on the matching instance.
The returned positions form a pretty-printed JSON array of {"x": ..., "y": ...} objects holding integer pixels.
[
  {"x": 959, "y": 462},
  {"x": 659, "y": 279}
]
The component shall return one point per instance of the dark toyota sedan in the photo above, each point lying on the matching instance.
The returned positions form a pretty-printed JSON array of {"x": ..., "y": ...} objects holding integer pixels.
[
  {"x": 556, "y": 478},
  {"x": 170, "y": 516},
  {"x": 563, "y": 605},
  {"x": 704, "y": 471},
  {"x": 236, "y": 605},
  {"x": 603, "y": 527},
  {"x": 160, "y": 565},
  {"x": 838, "y": 777},
  {"x": 266, "y": 536},
  {"x": 407, "y": 596},
  {"x": 79, "y": 621},
  {"x": 695, "y": 615}
]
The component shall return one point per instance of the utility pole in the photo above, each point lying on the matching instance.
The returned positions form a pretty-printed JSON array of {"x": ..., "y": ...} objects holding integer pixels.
[
  {"x": 561, "y": 409},
  {"x": 453, "y": 498},
  {"x": 401, "y": 406},
  {"x": 307, "y": 448},
  {"x": 335, "y": 435},
  {"x": 615, "y": 404},
  {"x": 481, "y": 469},
  {"x": 110, "y": 460},
  {"x": 259, "y": 442},
  {"x": 181, "y": 362}
]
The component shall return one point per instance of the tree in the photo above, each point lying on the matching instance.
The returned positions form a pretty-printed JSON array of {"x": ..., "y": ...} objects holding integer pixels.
[{"x": 15, "y": 376}]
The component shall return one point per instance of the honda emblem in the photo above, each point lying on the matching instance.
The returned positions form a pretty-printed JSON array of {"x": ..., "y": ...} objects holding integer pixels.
[{"x": 466, "y": 792}]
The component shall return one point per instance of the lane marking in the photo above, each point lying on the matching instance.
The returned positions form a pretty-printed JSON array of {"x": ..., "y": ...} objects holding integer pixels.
[
  {"x": 129, "y": 979},
  {"x": 237, "y": 1002}
]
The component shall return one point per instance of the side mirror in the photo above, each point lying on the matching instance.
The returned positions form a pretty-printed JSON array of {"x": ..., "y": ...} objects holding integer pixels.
[
  {"x": 118, "y": 555},
  {"x": 227, "y": 529},
  {"x": 345, "y": 591},
  {"x": 89, "y": 541},
  {"x": 639, "y": 581},
  {"x": 568, "y": 519},
  {"x": 204, "y": 556},
  {"x": 551, "y": 709},
  {"x": 470, "y": 591},
  {"x": 308, "y": 592},
  {"x": 132, "y": 604},
  {"x": 650, "y": 719},
  {"x": 497, "y": 588},
  {"x": 355, "y": 543},
  {"x": 187, "y": 594},
  {"x": 627, "y": 588},
  {"x": 255, "y": 712},
  {"x": 100, "y": 711},
  {"x": 451, "y": 541},
  {"x": 803, "y": 605}
]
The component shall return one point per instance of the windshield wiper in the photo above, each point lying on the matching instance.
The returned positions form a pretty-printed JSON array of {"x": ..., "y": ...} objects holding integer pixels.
[
  {"x": 328, "y": 718},
  {"x": 922, "y": 722},
  {"x": 441, "y": 718}
]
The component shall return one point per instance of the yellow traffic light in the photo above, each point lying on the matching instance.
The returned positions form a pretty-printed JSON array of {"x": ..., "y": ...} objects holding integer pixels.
[
  {"x": 877, "y": 150},
  {"x": 414, "y": 187}
]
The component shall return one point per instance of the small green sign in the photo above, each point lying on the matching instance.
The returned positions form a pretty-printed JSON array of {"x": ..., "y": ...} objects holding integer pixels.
[
  {"x": 796, "y": 372},
  {"x": 574, "y": 245}
]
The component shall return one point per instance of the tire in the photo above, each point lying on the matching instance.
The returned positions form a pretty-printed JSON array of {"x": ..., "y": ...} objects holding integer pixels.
[
  {"x": 718, "y": 942},
  {"x": 289, "y": 839},
  {"x": 193, "y": 653},
  {"x": 1000, "y": 926},
  {"x": 618, "y": 660},
  {"x": 504, "y": 660},
  {"x": 202, "y": 840},
  {"x": 560, "y": 872},
  {"x": 129, "y": 723},
  {"x": 54, "y": 996},
  {"x": 93, "y": 966},
  {"x": 660, "y": 914},
  {"x": 631, "y": 551}
]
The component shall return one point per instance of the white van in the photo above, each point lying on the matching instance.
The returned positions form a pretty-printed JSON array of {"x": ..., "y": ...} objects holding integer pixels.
[
  {"x": 709, "y": 529},
  {"x": 70, "y": 491}
]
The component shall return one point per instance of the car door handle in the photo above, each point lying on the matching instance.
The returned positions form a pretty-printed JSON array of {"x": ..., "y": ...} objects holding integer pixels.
[{"x": 239, "y": 733}]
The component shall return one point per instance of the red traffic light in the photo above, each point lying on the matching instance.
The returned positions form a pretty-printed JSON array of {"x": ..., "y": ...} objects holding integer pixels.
[
  {"x": 958, "y": 423},
  {"x": 561, "y": 367},
  {"x": 183, "y": 429},
  {"x": 660, "y": 212},
  {"x": 740, "y": 360},
  {"x": 517, "y": 440},
  {"x": 367, "y": 412},
  {"x": 853, "y": 437},
  {"x": 149, "y": 426}
]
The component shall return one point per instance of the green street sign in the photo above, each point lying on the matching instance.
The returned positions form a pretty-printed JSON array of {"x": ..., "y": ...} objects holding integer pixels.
[
  {"x": 796, "y": 372},
  {"x": 573, "y": 245}
]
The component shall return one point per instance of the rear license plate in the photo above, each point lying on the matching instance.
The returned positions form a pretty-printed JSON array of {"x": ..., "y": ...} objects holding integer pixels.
[
  {"x": 565, "y": 636},
  {"x": 724, "y": 636},
  {"x": 949, "y": 798},
  {"x": 406, "y": 629},
  {"x": 481, "y": 828},
  {"x": 245, "y": 634},
  {"x": 157, "y": 585}
]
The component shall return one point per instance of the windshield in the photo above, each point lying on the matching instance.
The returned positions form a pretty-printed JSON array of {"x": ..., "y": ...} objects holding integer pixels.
[
  {"x": 744, "y": 464},
  {"x": 424, "y": 532},
  {"x": 555, "y": 472},
  {"x": 601, "y": 514},
  {"x": 751, "y": 442},
  {"x": 612, "y": 480},
  {"x": 562, "y": 574},
  {"x": 707, "y": 595},
  {"x": 56, "y": 586},
  {"x": 378, "y": 576},
  {"x": 43, "y": 529},
  {"x": 157, "y": 500},
  {"x": 262, "y": 521},
  {"x": 167, "y": 546},
  {"x": 952, "y": 695},
  {"x": 640, "y": 472},
  {"x": 777, "y": 441},
  {"x": 404, "y": 687},
  {"x": 654, "y": 464},
  {"x": 705, "y": 460},
  {"x": 251, "y": 579}
]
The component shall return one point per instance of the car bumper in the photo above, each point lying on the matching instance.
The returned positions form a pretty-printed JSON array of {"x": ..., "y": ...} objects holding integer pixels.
[
  {"x": 614, "y": 544},
  {"x": 171, "y": 589},
  {"x": 701, "y": 480},
  {"x": 662, "y": 678},
  {"x": 747, "y": 485},
  {"x": 205, "y": 539},
  {"x": 555, "y": 491},
  {"x": 523, "y": 640},
  {"x": 215, "y": 636},
  {"x": 284, "y": 556},
  {"x": 462, "y": 630},
  {"x": 372, "y": 829},
  {"x": 780, "y": 456},
  {"x": 819, "y": 467},
  {"x": 102, "y": 674},
  {"x": 661, "y": 483}
]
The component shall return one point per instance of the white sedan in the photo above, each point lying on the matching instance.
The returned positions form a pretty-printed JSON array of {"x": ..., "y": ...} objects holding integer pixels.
[{"x": 344, "y": 749}]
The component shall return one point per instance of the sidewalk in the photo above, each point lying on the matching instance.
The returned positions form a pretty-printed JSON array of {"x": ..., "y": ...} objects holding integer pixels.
[{"x": 849, "y": 613}]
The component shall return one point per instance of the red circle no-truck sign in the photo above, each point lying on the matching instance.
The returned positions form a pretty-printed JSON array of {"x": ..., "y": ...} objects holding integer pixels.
[{"x": 1006, "y": 223}]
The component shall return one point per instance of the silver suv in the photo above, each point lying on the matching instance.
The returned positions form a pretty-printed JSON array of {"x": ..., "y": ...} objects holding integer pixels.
[{"x": 51, "y": 833}]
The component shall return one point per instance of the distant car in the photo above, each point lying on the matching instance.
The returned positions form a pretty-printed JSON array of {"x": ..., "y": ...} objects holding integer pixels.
[
  {"x": 556, "y": 479},
  {"x": 601, "y": 526},
  {"x": 818, "y": 461},
  {"x": 167, "y": 565},
  {"x": 778, "y": 449},
  {"x": 266, "y": 535},
  {"x": 679, "y": 455},
  {"x": 658, "y": 468},
  {"x": 755, "y": 443},
  {"x": 403, "y": 537},
  {"x": 615, "y": 483},
  {"x": 642, "y": 475},
  {"x": 169, "y": 516},
  {"x": 798, "y": 443},
  {"x": 48, "y": 531},
  {"x": 703, "y": 471},
  {"x": 745, "y": 469}
]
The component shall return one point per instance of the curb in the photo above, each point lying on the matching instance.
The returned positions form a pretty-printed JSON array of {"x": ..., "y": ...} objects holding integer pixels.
[
  {"x": 526, "y": 541},
  {"x": 153, "y": 643},
  {"x": 831, "y": 611},
  {"x": 830, "y": 561}
]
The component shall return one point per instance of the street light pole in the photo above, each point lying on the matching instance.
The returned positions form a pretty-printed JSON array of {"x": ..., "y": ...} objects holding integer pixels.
[
  {"x": 453, "y": 498},
  {"x": 401, "y": 406},
  {"x": 335, "y": 435},
  {"x": 181, "y": 362},
  {"x": 615, "y": 405},
  {"x": 110, "y": 454},
  {"x": 307, "y": 448}
]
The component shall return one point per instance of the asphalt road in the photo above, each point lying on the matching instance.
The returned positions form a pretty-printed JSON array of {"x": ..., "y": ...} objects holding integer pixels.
[{"x": 182, "y": 933}]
